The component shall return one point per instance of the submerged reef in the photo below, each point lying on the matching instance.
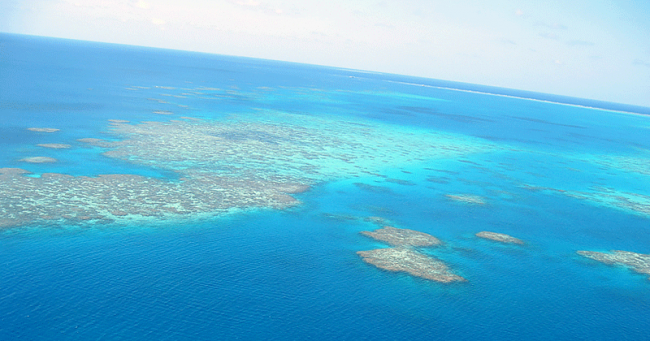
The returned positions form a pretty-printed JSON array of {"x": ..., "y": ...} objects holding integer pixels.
[
  {"x": 347, "y": 217},
  {"x": 43, "y": 130},
  {"x": 54, "y": 145},
  {"x": 467, "y": 198},
  {"x": 275, "y": 144},
  {"x": 636, "y": 164},
  {"x": 636, "y": 261},
  {"x": 402, "y": 237},
  {"x": 70, "y": 199},
  {"x": 38, "y": 159},
  {"x": 403, "y": 257},
  {"x": 630, "y": 202},
  {"x": 627, "y": 201},
  {"x": 499, "y": 237},
  {"x": 238, "y": 162},
  {"x": 106, "y": 198}
]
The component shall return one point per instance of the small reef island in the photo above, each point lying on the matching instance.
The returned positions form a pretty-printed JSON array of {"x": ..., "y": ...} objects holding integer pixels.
[
  {"x": 403, "y": 257},
  {"x": 499, "y": 237},
  {"x": 636, "y": 261}
]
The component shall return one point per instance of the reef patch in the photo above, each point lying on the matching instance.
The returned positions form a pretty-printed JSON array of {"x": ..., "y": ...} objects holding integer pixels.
[
  {"x": 54, "y": 145},
  {"x": 38, "y": 159},
  {"x": 118, "y": 197},
  {"x": 258, "y": 160},
  {"x": 499, "y": 237},
  {"x": 402, "y": 237},
  {"x": 631, "y": 202},
  {"x": 636, "y": 261},
  {"x": 44, "y": 130},
  {"x": 467, "y": 198},
  {"x": 403, "y": 257}
]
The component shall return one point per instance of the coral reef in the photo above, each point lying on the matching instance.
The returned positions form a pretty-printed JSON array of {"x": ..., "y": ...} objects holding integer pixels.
[
  {"x": 499, "y": 237},
  {"x": 43, "y": 130},
  {"x": 54, "y": 145},
  {"x": 404, "y": 257},
  {"x": 253, "y": 161},
  {"x": 402, "y": 237},
  {"x": 604, "y": 196},
  {"x": 410, "y": 261},
  {"x": 467, "y": 198},
  {"x": 38, "y": 159},
  {"x": 106, "y": 198},
  {"x": 636, "y": 261}
]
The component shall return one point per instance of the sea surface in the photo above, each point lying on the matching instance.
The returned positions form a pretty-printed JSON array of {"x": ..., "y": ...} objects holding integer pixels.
[{"x": 561, "y": 174}]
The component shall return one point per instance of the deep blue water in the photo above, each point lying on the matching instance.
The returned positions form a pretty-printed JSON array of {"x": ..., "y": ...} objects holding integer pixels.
[{"x": 294, "y": 274}]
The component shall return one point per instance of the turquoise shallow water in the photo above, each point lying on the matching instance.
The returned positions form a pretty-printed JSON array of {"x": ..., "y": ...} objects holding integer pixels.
[{"x": 294, "y": 273}]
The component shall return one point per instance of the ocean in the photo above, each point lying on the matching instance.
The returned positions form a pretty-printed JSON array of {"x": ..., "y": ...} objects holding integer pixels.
[{"x": 172, "y": 195}]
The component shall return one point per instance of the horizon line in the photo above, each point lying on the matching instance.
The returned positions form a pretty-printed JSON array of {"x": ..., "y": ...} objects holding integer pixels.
[{"x": 493, "y": 87}]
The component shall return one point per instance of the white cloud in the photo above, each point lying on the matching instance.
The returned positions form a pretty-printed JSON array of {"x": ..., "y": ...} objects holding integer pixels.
[
  {"x": 158, "y": 21},
  {"x": 248, "y": 3},
  {"x": 142, "y": 4}
]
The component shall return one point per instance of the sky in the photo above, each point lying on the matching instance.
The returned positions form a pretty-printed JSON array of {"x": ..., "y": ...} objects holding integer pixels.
[{"x": 596, "y": 49}]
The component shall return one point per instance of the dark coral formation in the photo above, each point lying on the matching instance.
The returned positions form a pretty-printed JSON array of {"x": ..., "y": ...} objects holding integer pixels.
[
  {"x": 403, "y": 257},
  {"x": 636, "y": 261},
  {"x": 499, "y": 237}
]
